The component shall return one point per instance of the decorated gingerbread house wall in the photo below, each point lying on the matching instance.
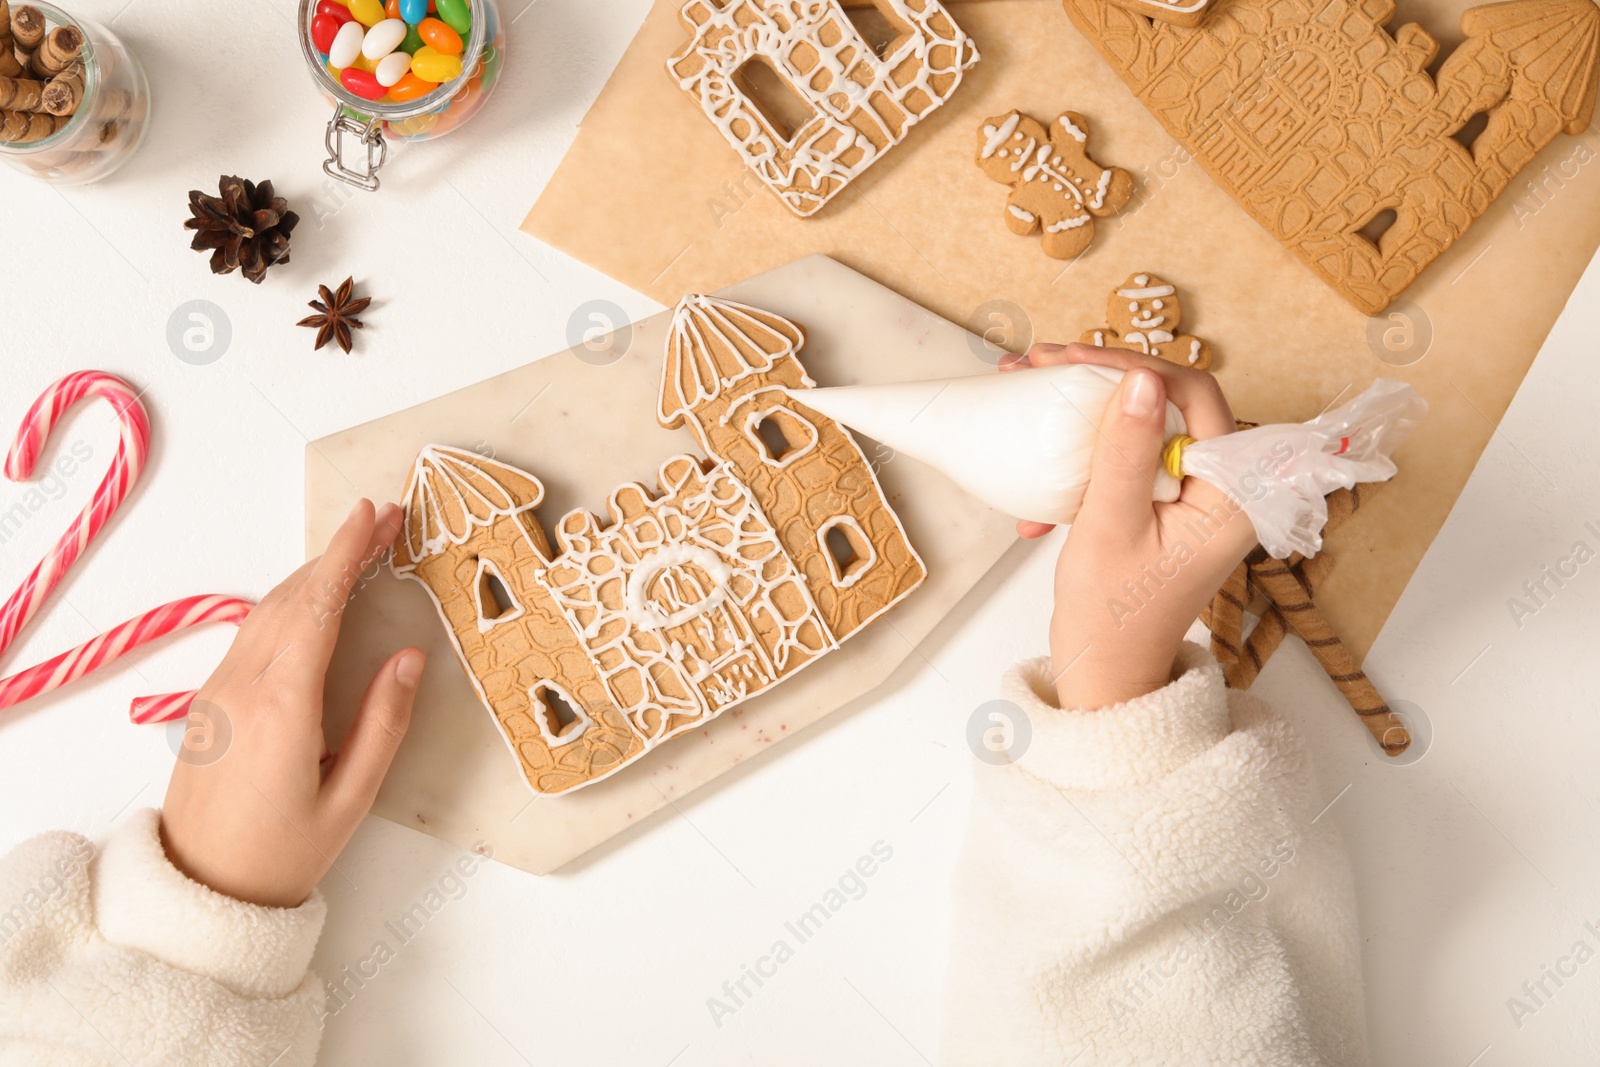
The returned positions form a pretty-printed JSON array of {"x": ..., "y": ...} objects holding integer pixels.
[
  {"x": 855, "y": 101},
  {"x": 734, "y": 573}
]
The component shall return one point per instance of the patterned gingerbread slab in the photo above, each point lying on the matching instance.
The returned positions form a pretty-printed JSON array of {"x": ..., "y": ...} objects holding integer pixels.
[
  {"x": 850, "y": 102},
  {"x": 1330, "y": 131},
  {"x": 738, "y": 571}
]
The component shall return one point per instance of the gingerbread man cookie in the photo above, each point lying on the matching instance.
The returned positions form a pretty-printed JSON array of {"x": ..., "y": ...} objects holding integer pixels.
[
  {"x": 1055, "y": 186},
  {"x": 1143, "y": 315}
]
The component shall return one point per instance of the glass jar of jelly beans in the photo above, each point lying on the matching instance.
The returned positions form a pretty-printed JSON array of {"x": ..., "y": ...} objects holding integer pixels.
[
  {"x": 81, "y": 111},
  {"x": 406, "y": 70}
]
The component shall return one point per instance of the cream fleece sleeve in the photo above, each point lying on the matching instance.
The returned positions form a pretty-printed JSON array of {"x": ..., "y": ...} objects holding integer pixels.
[
  {"x": 114, "y": 957},
  {"x": 1151, "y": 884}
]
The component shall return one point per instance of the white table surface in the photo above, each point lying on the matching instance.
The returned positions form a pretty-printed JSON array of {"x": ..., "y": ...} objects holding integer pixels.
[{"x": 1477, "y": 865}]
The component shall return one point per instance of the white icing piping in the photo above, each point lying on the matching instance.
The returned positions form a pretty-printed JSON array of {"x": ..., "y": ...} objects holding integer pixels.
[
  {"x": 795, "y": 451},
  {"x": 485, "y": 623},
  {"x": 1025, "y": 216},
  {"x": 1146, "y": 294},
  {"x": 1069, "y": 224},
  {"x": 541, "y": 716},
  {"x": 690, "y": 353},
  {"x": 708, "y": 642},
  {"x": 859, "y": 566},
  {"x": 439, "y": 468},
  {"x": 995, "y": 136},
  {"x": 1076, "y": 134},
  {"x": 775, "y": 29}
]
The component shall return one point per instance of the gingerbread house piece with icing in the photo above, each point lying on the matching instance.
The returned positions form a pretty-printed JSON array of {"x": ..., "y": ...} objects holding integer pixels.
[
  {"x": 803, "y": 94},
  {"x": 734, "y": 573}
]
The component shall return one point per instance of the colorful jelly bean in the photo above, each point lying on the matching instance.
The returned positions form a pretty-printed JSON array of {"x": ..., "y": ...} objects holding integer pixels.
[
  {"x": 433, "y": 66},
  {"x": 413, "y": 11},
  {"x": 392, "y": 67},
  {"x": 391, "y": 8},
  {"x": 456, "y": 14},
  {"x": 324, "y": 28},
  {"x": 412, "y": 42},
  {"x": 439, "y": 37},
  {"x": 367, "y": 12},
  {"x": 335, "y": 10},
  {"x": 363, "y": 63},
  {"x": 363, "y": 83},
  {"x": 346, "y": 44},
  {"x": 383, "y": 38},
  {"x": 411, "y": 87}
]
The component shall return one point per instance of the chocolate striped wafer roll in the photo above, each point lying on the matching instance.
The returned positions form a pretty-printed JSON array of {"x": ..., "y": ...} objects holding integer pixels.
[
  {"x": 1269, "y": 633},
  {"x": 61, "y": 47},
  {"x": 27, "y": 26},
  {"x": 1290, "y": 598},
  {"x": 25, "y": 127},
  {"x": 63, "y": 93},
  {"x": 10, "y": 66},
  {"x": 27, "y": 29},
  {"x": 21, "y": 94},
  {"x": 1224, "y": 617}
]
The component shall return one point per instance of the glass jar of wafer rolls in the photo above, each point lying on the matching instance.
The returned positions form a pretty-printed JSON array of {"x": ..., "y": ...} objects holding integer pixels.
[
  {"x": 426, "y": 103},
  {"x": 74, "y": 102}
]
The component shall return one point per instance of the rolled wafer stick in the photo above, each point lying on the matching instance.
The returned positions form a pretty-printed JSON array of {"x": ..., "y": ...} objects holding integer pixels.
[
  {"x": 1269, "y": 633},
  {"x": 61, "y": 46},
  {"x": 21, "y": 94},
  {"x": 27, "y": 27},
  {"x": 10, "y": 65},
  {"x": 1289, "y": 597},
  {"x": 26, "y": 127},
  {"x": 119, "y": 104},
  {"x": 1224, "y": 617},
  {"x": 63, "y": 93},
  {"x": 27, "y": 32}
]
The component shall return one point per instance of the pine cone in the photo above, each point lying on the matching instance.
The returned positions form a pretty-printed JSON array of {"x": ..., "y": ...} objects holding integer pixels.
[{"x": 246, "y": 226}]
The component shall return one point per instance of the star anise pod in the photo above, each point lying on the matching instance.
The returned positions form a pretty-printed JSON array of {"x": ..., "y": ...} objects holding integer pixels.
[
  {"x": 245, "y": 227},
  {"x": 337, "y": 315}
]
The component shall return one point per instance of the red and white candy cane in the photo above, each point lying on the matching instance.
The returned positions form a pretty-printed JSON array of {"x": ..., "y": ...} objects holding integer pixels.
[{"x": 24, "y": 604}]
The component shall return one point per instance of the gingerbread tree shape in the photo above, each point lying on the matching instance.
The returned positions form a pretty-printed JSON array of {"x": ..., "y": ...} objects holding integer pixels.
[
  {"x": 855, "y": 102},
  {"x": 1055, "y": 186},
  {"x": 1330, "y": 131},
  {"x": 1143, "y": 315},
  {"x": 734, "y": 573}
]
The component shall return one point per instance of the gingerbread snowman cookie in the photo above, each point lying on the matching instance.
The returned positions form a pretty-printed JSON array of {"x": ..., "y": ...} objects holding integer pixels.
[
  {"x": 1055, "y": 186},
  {"x": 1143, "y": 316}
]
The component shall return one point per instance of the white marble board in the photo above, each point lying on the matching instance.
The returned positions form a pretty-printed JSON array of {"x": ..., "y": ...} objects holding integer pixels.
[{"x": 583, "y": 422}]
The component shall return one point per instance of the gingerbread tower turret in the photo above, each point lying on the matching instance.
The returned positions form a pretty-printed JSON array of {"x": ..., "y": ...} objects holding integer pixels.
[{"x": 727, "y": 368}]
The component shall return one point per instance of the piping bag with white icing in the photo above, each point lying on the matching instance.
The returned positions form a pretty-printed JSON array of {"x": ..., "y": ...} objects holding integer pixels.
[{"x": 1024, "y": 441}]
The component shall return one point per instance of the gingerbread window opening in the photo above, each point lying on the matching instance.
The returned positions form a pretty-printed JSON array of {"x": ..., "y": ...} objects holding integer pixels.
[
  {"x": 1377, "y": 228},
  {"x": 878, "y": 28},
  {"x": 781, "y": 435},
  {"x": 1471, "y": 130},
  {"x": 850, "y": 554},
  {"x": 496, "y": 602},
  {"x": 560, "y": 718},
  {"x": 785, "y": 111}
]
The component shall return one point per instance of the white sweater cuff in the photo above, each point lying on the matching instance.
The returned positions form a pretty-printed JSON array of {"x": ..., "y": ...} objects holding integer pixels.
[
  {"x": 1126, "y": 744},
  {"x": 143, "y": 902}
]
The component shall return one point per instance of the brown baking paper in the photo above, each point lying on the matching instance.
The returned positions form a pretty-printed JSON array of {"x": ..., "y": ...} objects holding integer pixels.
[{"x": 651, "y": 195}]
